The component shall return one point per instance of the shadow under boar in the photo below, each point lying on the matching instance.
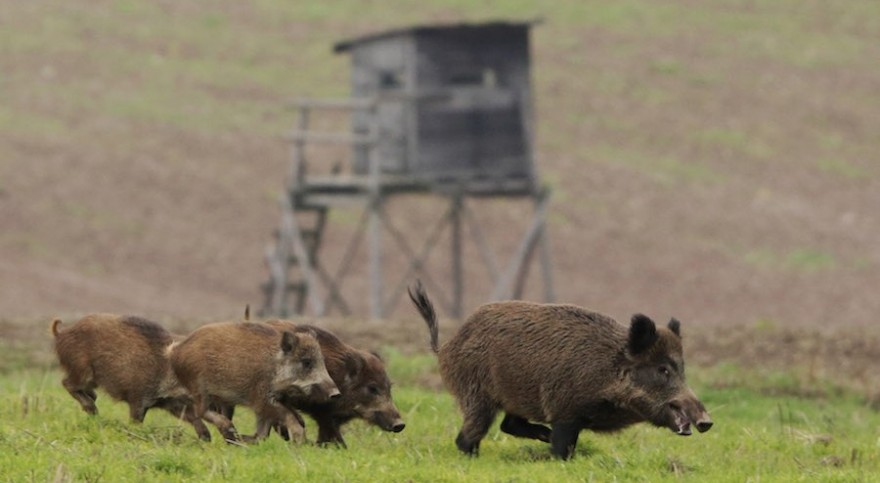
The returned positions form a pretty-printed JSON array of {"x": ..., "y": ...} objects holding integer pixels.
[
  {"x": 562, "y": 365},
  {"x": 362, "y": 381},
  {"x": 230, "y": 363},
  {"x": 126, "y": 356}
]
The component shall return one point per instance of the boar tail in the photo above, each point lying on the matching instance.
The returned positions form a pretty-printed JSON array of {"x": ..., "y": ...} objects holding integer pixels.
[
  {"x": 54, "y": 327},
  {"x": 426, "y": 309}
]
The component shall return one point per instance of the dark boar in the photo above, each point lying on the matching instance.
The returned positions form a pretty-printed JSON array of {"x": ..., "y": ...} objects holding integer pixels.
[
  {"x": 226, "y": 364},
  {"x": 562, "y": 365},
  {"x": 127, "y": 357},
  {"x": 362, "y": 381}
]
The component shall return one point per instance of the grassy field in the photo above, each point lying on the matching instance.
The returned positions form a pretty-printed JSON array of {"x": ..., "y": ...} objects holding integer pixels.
[{"x": 762, "y": 433}]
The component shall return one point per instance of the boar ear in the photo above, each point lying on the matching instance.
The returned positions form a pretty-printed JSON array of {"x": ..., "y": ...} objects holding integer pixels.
[
  {"x": 642, "y": 334},
  {"x": 675, "y": 326},
  {"x": 288, "y": 341},
  {"x": 354, "y": 364}
]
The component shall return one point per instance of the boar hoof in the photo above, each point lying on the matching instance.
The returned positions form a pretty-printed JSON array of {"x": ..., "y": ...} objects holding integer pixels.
[
  {"x": 470, "y": 448},
  {"x": 563, "y": 439},
  {"x": 231, "y": 436}
]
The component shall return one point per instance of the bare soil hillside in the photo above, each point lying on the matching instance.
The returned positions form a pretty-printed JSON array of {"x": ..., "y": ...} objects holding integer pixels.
[{"x": 713, "y": 161}]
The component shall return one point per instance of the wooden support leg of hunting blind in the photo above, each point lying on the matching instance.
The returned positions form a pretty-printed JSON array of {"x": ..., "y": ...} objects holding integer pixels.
[
  {"x": 457, "y": 269},
  {"x": 334, "y": 296},
  {"x": 334, "y": 283},
  {"x": 275, "y": 300},
  {"x": 376, "y": 309},
  {"x": 546, "y": 267},
  {"x": 417, "y": 260},
  {"x": 291, "y": 226},
  {"x": 505, "y": 289},
  {"x": 482, "y": 245}
]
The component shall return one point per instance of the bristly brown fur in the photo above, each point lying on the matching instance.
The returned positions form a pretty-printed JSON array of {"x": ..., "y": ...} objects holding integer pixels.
[
  {"x": 564, "y": 365},
  {"x": 127, "y": 357},
  {"x": 250, "y": 364},
  {"x": 362, "y": 381}
]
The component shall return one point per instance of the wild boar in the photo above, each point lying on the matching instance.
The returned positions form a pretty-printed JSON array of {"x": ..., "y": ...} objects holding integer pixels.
[
  {"x": 362, "y": 381},
  {"x": 230, "y": 363},
  {"x": 563, "y": 365},
  {"x": 126, "y": 356}
]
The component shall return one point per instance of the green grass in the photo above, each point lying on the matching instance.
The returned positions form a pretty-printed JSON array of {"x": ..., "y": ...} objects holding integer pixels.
[
  {"x": 803, "y": 260},
  {"x": 841, "y": 167},
  {"x": 665, "y": 170},
  {"x": 760, "y": 434}
]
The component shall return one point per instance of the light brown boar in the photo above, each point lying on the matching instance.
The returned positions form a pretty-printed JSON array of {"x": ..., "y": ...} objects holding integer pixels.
[
  {"x": 563, "y": 365},
  {"x": 229, "y": 363},
  {"x": 362, "y": 381},
  {"x": 127, "y": 357}
]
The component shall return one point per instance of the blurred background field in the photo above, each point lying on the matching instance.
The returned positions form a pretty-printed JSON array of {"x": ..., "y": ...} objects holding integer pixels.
[
  {"x": 716, "y": 162},
  {"x": 713, "y": 161}
]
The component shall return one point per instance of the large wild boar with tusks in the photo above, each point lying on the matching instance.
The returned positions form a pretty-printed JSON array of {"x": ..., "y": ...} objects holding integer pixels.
[
  {"x": 229, "y": 363},
  {"x": 126, "y": 356},
  {"x": 362, "y": 381},
  {"x": 562, "y": 365}
]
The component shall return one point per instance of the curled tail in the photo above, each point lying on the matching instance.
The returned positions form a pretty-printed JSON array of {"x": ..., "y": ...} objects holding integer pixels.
[
  {"x": 54, "y": 327},
  {"x": 426, "y": 309}
]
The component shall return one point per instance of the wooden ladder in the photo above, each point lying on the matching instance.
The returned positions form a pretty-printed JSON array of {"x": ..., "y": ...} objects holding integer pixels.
[{"x": 292, "y": 260}]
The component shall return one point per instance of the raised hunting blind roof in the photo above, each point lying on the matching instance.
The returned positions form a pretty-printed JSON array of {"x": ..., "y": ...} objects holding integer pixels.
[
  {"x": 463, "y": 27},
  {"x": 453, "y": 104}
]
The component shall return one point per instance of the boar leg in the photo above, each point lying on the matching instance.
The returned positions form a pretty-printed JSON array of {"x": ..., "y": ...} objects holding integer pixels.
[
  {"x": 184, "y": 411},
  {"x": 295, "y": 430},
  {"x": 276, "y": 415},
  {"x": 227, "y": 429},
  {"x": 203, "y": 407},
  {"x": 329, "y": 430},
  {"x": 263, "y": 428},
  {"x": 563, "y": 438},
  {"x": 227, "y": 410},
  {"x": 83, "y": 393},
  {"x": 281, "y": 429},
  {"x": 522, "y": 428},
  {"x": 478, "y": 416},
  {"x": 136, "y": 410}
]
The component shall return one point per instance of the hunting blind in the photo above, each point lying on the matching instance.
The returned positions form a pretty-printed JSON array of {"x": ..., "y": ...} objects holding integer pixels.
[{"x": 442, "y": 109}]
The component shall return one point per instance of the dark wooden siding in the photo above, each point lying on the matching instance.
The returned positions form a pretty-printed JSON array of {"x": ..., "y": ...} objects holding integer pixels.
[{"x": 477, "y": 124}]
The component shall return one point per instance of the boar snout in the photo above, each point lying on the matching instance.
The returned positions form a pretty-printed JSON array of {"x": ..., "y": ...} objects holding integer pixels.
[
  {"x": 333, "y": 392},
  {"x": 323, "y": 391},
  {"x": 686, "y": 412},
  {"x": 703, "y": 426},
  {"x": 681, "y": 425},
  {"x": 389, "y": 421},
  {"x": 700, "y": 417}
]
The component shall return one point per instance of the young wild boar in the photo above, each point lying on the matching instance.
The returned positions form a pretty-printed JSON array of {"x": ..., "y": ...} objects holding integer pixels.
[
  {"x": 562, "y": 365},
  {"x": 127, "y": 357},
  {"x": 231, "y": 363},
  {"x": 364, "y": 386}
]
